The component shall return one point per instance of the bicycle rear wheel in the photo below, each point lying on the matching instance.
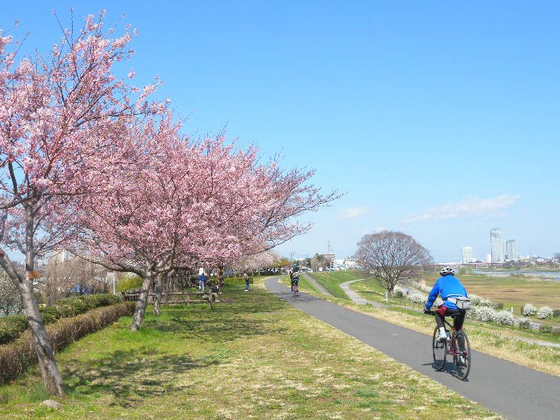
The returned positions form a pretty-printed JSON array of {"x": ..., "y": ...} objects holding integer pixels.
[
  {"x": 463, "y": 359},
  {"x": 439, "y": 349}
]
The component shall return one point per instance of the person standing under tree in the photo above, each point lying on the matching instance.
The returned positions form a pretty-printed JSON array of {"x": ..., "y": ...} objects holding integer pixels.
[
  {"x": 246, "y": 277},
  {"x": 201, "y": 279}
]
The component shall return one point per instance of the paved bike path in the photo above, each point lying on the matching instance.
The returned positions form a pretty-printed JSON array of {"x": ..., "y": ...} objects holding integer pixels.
[{"x": 511, "y": 390}]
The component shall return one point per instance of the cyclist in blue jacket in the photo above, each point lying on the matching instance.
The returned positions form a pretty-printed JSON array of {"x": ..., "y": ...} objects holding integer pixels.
[{"x": 449, "y": 288}]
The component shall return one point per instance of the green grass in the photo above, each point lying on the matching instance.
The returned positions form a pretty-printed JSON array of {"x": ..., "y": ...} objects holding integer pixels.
[
  {"x": 331, "y": 281},
  {"x": 253, "y": 357},
  {"x": 370, "y": 289}
]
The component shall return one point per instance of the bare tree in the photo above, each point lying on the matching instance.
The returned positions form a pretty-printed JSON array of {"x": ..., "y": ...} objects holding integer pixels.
[
  {"x": 392, "y": 257},
  {"x": 10, "y": 299},
  {"x": 64, "y": 275},
  {"x": 318, "y": 262}
]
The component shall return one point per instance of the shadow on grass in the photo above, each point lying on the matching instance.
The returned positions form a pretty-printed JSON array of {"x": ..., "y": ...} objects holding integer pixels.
[
  {"x": 216, "y": 330},
  {"x": 131, "y": 376},
  {"x": 246, "y": 316}
]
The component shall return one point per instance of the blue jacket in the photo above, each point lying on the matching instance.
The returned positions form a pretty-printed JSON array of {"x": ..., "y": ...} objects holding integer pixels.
[{"x": 446, "y": 286}]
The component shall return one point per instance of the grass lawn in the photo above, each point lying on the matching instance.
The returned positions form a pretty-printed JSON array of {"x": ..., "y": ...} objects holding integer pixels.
[
  {"x": 331, "y": 280},
  {"x": 372, "y": 289},
  {"x": 253, "y": 357}
]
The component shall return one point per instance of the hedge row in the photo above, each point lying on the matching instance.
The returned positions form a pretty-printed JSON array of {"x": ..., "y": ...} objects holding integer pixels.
[
  {"x": 16, "y": 357},
  {"x": 12, "y": 326}
]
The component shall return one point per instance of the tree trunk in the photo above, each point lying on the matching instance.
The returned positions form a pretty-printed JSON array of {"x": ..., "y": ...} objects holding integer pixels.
[
  {"x": 142, "y": 303},
  {"x": 220, "y": 277},
  {"x": 157, "y": 293},
  {"x": 52, "y": 378}
]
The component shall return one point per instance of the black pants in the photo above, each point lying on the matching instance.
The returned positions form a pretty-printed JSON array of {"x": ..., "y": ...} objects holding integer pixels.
[{"x": 443, "y": 311}]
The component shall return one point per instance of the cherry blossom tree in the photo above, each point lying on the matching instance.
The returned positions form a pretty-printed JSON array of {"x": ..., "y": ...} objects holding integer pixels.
[
  {"x": 175, "y": 203},
  {"x": 57, "y": 113},
  {"x": 256, "y": 262}
]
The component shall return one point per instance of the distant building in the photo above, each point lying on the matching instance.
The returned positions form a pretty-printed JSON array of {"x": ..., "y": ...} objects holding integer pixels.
[
  {"x": 512, "y": 250},
  {"x": 488, "y": 258},
  {"x": 60, "y": 257},
  {"x": 496, "y": 246},
  {"x": 467, "y": 255},
  {"x": 345, "y": 264}
]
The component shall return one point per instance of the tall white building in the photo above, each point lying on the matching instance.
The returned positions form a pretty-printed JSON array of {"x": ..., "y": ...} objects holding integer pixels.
[
  {"x": 496, "y": 246},
  {"x": 512, "y": 250},
  {"x": 467, "y": 255}
]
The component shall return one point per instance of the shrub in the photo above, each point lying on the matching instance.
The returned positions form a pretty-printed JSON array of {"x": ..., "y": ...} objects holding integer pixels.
[
  {"x": 556, "y": 331},
  {"x": 545, "y": 328},
  {"x": 504, "y": 318},
  {"x": 528, "y": 310},
  {"x": 556, "y": 312},
  {"x": 398, "y": 293},
  {"x": 545, "y": 312},
  {"x": 129, "y": 283},
  {"x": 524, "y": 323},
  {"x": 480, "y": 301},
  {"x": 499, "y": 305},
  {"x": 49, "y": 314},
  {"x": 417, "y": 298},
  {"x": 481, "y": 313},
  {"x": 17, "y": 356},
  {"x": 535, "y": 326},
  {"x": 11, "y": 327}
]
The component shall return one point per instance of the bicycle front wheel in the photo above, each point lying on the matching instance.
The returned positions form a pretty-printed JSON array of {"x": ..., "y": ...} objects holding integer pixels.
[
  {"x": 463, "y": 359},
  {"x": 439, "y": 349}
]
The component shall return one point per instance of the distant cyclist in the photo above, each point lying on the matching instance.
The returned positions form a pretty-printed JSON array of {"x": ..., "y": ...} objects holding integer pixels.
[
  {"x": 450, "y": 288},
  {"x": 295, "y": 281}
]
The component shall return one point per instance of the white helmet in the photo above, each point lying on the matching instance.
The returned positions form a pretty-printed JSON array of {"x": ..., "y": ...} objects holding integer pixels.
[{"x": 447, "y": 271}]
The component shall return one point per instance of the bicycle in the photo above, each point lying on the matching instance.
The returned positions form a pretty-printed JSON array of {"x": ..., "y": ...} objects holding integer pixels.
[
  {"x": 457, "y": 345},
  {"x": 295, "y": 289}
]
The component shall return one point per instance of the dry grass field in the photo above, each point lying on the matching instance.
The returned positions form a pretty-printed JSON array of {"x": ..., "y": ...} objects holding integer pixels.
[{"x": 513, "y": 291}]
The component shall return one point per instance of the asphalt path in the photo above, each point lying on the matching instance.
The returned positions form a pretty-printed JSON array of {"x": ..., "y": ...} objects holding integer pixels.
[{"x": 511, "y": 390}]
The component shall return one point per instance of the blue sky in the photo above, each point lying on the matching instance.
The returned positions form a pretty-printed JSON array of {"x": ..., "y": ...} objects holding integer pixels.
[{"x": 439, "y": 119}]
